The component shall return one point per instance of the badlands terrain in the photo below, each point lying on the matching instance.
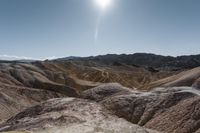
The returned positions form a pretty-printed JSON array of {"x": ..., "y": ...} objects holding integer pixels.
[{"x": 138, "y": 93}]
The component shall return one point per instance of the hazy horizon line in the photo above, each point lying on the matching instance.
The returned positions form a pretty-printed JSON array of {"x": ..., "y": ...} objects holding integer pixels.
[{"x": 15, "y": 57}]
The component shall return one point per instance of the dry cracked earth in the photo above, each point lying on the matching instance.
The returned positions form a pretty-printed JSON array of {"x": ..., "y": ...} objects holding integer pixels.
[{"x": 140, "y": 93}]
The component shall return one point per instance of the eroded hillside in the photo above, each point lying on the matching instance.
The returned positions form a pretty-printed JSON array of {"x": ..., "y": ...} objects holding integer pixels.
[{"x": 138, "y": 92}]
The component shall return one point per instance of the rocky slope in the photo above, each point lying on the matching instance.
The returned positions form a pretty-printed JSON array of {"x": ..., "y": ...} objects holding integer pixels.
[
  {"x": 168, "y": 110},
  {"x": 14, "y": 99},
  {"x": 70, "y": 115},
  {"x": 23, "y": 85},
  {"x": 185, "y": 78}
]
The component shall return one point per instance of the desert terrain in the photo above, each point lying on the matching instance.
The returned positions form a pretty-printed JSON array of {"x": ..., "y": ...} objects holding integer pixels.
[{"x": 138, "y": 93}]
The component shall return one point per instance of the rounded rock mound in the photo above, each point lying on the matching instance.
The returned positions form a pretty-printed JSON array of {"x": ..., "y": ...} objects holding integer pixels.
[{"x": 104, "y": 91}]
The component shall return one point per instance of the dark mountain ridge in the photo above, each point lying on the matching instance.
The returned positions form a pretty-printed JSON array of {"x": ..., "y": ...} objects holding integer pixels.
[{"x": 145, "y": 60}]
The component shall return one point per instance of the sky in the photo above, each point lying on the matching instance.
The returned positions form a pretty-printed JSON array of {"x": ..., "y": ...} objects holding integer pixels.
[{"x": 40, "y": 29}]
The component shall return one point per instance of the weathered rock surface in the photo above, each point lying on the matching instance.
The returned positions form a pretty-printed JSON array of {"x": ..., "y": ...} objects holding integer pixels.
[
  {"x": 70, "y": 115},
  {"x": 173, "y": 109}
]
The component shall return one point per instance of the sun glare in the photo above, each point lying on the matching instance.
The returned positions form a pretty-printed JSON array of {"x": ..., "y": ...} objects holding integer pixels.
[{"x": 103, "y": 4}]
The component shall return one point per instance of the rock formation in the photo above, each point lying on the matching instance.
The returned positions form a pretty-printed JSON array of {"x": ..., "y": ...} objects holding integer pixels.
[
  {"x": 70, "y": 115},
  {"x": 173, "y": 109}
]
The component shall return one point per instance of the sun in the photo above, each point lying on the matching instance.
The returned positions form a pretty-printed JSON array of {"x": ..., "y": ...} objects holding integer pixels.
[{"x": 103, "y": 4}]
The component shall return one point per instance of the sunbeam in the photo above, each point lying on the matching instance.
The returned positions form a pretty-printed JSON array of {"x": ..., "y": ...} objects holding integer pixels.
[{"x": 103, "y": 4}]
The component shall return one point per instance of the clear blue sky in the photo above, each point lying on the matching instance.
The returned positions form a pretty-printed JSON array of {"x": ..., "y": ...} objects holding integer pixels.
[{"x": 46, "y": 28}]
